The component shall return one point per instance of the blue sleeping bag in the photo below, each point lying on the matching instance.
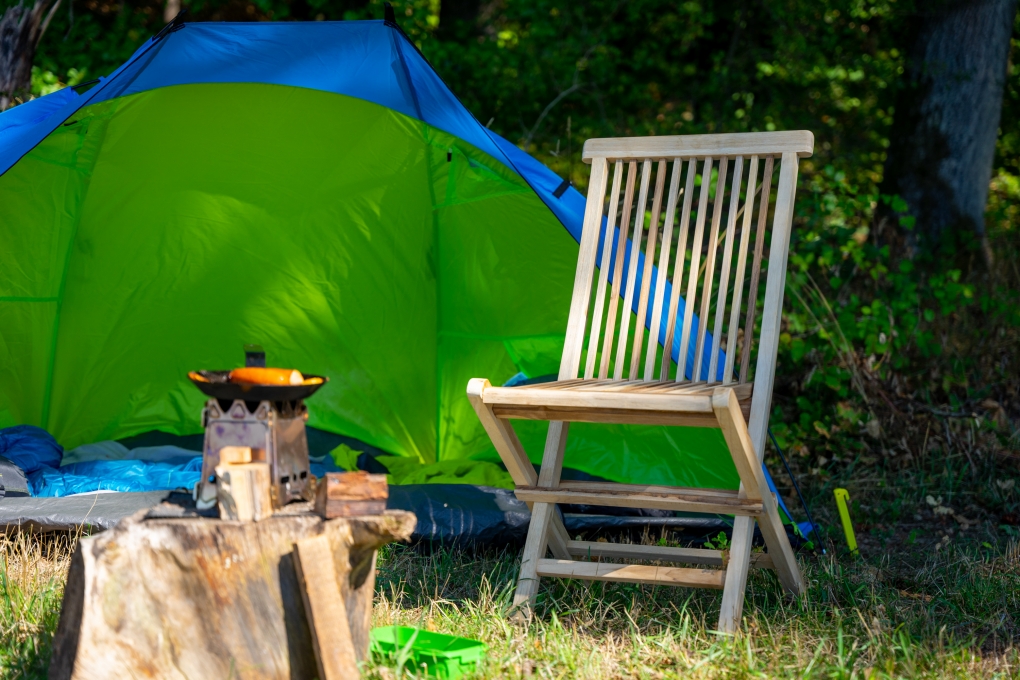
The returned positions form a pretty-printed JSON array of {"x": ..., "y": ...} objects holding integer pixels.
[
  {"x": 30, "y": 448},
  {"x": 115, "y": 475},
  {"x": 39, "y": 455}
]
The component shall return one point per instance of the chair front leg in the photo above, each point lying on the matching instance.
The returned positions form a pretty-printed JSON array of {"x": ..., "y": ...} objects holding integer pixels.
[
  {"x": 754, "y": 485},
  {"x": 503, "y": 437},
  {"x": 736, "y": 574},
  {"x": 545, "y": 523},
  {"x": 534, "y": 550}
]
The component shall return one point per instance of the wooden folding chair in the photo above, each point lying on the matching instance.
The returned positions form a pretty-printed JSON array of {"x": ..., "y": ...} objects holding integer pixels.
[{"x": 632, "y": 384}]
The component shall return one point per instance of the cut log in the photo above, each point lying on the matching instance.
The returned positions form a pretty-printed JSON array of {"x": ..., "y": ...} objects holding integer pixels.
[
  {"x": 243, "y": 491},
  {"x": 327, "y": 614},
  {"x": 199, "y": 598},
  {"x": 351, "y": 494}
]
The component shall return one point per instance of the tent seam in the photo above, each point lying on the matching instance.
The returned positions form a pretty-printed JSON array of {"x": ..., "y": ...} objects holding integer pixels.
[{"x": 407, "y": 76}]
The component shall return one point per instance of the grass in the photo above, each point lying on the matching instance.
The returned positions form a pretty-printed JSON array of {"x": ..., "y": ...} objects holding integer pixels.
[
  {"x": 935, "y": 592},
  {"x": 930, "y": 607},
  {"x": 916, "y": 612},
  {"x": 32, "y": 573}
]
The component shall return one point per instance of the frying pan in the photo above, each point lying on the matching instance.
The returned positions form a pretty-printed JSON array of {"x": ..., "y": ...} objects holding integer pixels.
[{"x": 217, "y": 385}]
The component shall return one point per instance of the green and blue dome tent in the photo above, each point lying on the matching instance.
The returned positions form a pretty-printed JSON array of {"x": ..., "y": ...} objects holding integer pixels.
[{"x": 311, "y": 187}]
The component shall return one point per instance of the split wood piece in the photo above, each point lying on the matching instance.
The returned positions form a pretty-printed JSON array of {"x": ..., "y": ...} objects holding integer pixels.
[
  {"x": 325, "y": 609},
  {"x": 243, "y": 491},
  {"x": 235, "y": 455},
  {"x": 351, "y": 494},
  {"x": 198, "y": 598}
]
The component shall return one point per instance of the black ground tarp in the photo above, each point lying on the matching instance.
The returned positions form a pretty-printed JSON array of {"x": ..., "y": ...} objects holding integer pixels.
[{"x": 12, "y": 479}]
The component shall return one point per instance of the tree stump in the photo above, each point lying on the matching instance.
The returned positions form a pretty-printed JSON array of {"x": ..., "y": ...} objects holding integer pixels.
[{"x": 191, "y": 597}]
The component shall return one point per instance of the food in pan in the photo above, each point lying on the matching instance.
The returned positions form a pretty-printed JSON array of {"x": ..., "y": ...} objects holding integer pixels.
[{"x": 266, "y": 376}]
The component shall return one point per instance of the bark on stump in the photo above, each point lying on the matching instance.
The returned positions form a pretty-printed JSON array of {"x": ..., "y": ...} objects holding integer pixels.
[{"x": 199, "y": 598}]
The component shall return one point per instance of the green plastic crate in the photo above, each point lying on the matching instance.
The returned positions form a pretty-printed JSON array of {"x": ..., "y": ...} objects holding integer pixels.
[{"x": 435, "y": 654}]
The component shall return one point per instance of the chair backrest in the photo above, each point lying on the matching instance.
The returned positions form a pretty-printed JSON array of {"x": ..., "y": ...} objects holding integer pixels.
[{"x": 698, "y": 300}]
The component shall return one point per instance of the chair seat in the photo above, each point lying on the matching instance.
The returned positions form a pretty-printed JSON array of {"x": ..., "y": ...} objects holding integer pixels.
[{"x": 615, "y": 401}]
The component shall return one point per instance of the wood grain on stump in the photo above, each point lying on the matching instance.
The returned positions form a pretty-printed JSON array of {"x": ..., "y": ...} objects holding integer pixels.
[{"x": 199, "y": 598}]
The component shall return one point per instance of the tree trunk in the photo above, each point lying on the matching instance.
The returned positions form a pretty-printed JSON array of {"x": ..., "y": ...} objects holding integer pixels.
[
  {"x": 947, "y": 116},
  {"x": 21, "y": 29},
  {"x": 170, "y": 10},
  {"x": 165, "y": 595}
]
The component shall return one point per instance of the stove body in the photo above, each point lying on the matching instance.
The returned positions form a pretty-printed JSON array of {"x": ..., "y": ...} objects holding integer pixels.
[{"x": 275, "y": 432}]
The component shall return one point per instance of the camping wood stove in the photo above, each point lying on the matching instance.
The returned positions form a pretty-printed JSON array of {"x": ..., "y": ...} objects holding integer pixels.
[{"x": 270, "y": 419}]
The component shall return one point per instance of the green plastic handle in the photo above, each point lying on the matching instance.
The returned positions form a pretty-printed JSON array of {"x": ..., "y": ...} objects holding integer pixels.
[{"x": 842, "y": 496}]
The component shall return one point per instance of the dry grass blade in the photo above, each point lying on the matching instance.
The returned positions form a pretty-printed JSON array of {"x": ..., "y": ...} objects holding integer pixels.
[{"x": 32, "y": 573}]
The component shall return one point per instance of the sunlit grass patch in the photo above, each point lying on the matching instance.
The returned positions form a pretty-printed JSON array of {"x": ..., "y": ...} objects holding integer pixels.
[{"x": 32, "y": 574}]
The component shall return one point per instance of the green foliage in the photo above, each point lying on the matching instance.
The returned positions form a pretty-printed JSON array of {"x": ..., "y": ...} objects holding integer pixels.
[{"x": 45, "y": 82}]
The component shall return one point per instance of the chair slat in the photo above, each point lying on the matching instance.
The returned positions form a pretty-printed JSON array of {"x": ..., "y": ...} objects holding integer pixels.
[
  {"x": 574, "y": 340},
  {"x": 660, "y": 285},
  {"x": 621, "y": 251},
  {"x": 646, "y": 275},
  {"x": 607, "y": 253},
  {"x": 678, "y": 271},
  {"x": 713, "y": 244},
  {"x": 724, "y": 275},
  {"x": 719, "y": 305},
  {"x": 738, "y": 286},
  {"x": 692, "y": 276},
  {"x": 628, "y": 299},
  {"x": 759, "y": 246},
  {"x": 772, "y": 305}
]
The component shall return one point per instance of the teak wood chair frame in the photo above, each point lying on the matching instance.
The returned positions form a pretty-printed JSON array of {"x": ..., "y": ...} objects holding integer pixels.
[{"x": 715, "y": 392}]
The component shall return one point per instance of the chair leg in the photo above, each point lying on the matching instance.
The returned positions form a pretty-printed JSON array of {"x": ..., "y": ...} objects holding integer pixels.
[
  {"x": 552, "y": 457},
  {"x": 748, "y": 464},
  {"x": 503, "y": 437},
  {"x": 545, "y": 523},
  {"x": 552, "y": 469},
  {"x": 736, "y": 575},
  {"x": 534, "y": 550},
  {"x": 558, "y": 537},
  {"x": 783, "y": 557}
]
